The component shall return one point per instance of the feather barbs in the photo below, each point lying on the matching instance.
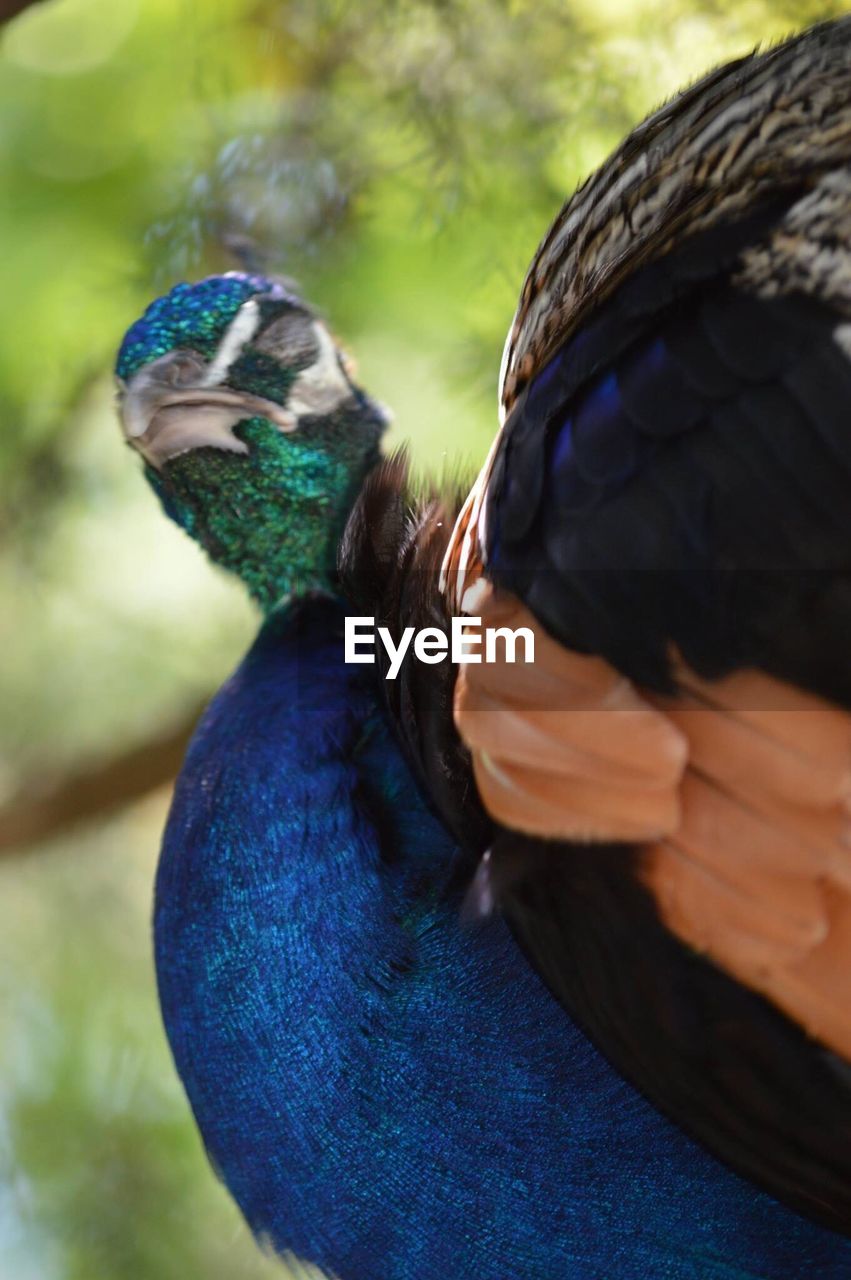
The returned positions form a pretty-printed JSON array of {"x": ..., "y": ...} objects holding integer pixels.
[
  {"x": 737, "y": 793},
  {"x": 464, "y": 557},
  {"x": 758, "y": 876},
  {"x": 565, "y": 747}
]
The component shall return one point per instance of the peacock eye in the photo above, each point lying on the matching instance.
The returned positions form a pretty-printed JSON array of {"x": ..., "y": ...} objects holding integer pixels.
[{"x": 291, "y": 339}]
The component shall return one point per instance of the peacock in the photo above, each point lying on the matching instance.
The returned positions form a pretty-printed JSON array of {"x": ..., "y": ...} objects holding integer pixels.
[{"x": 537, "y": 970}]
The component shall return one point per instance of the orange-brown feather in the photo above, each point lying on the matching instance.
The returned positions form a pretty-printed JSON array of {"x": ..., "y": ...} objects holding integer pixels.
[{"x": 737, "y": 791}]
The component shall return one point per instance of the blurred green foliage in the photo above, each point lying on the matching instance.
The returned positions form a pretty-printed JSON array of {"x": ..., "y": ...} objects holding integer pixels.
[{"x": 400, "y": 160}]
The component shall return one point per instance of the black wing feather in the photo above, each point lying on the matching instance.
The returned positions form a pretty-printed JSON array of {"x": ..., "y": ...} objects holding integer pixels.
[
  {"x": 716, "y": 1058},
  {"x": 709, "y": 465}
]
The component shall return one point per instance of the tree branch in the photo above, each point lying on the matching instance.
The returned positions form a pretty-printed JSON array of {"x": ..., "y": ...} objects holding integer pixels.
[
  {"x": 11, "y": 8},
  {"x": 41, "y": 810}
]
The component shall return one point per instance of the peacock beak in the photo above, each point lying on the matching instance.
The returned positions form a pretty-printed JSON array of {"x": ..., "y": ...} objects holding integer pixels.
[{"x": 169, "y": 407}]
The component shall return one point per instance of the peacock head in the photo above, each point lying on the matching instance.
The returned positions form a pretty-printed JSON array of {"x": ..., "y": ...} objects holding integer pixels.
[{"x": 253, "y": 434}]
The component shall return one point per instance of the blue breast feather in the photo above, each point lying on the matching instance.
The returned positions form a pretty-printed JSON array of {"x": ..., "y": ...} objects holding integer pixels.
[{"x": 386, "y": 1093}]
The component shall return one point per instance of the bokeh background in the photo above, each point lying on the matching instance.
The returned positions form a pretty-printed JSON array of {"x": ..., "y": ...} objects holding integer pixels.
[{"x": 399, "y": 160}]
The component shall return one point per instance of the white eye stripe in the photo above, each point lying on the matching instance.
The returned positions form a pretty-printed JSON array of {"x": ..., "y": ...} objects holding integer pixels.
[{"x": 240, "y": 331}]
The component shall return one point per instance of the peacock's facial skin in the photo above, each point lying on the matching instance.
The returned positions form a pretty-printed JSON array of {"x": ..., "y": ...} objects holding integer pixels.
[{"x": 255, "y": 438}]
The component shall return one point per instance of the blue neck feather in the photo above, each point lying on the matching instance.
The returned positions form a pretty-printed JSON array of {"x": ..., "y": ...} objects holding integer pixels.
[{"x": 387, "y": 1094}]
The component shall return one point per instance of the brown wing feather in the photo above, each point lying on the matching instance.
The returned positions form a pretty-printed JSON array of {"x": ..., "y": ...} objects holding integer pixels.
[{"x": 739, "y": 789}]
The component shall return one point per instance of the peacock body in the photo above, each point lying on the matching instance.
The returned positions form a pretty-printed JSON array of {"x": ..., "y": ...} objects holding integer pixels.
[{"x": 621, "y": 1076}]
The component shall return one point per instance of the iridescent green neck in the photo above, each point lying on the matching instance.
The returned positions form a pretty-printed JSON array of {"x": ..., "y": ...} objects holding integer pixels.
[{"x": 274, "y": 516}]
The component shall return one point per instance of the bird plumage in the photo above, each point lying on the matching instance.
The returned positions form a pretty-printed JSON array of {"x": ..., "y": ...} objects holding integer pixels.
[
  {"x": 387, "y": 1090},
  {"x": 386, "y": 1093},
  {"x": 670, "y": 484}
]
